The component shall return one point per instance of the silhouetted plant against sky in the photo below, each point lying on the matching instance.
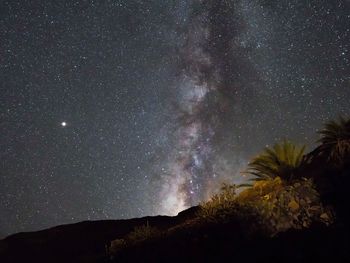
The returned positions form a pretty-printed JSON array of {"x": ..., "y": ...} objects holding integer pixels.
[
  {"x": 335, "y": 139},
  {"x": 282, "y": 160}
]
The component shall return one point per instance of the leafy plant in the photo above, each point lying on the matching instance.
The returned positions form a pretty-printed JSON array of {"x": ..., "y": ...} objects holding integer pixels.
[
  {"x": 269, "y": 206},
  {"x": 282, "y": 206},
  {"x": 139, "y": 234},
  {"x": 282, "y": 160},
  {"x": 142, "y": 233},
  {"x": 116, "y": 246},
  {"x": 335, "y": 139},
  {"x": 219, "y": 205}
]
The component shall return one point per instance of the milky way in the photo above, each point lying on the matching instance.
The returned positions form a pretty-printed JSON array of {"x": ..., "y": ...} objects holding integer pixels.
[
  {"x": 200, "y": 103},
  {"x": 218, "y": 63},
  {"x": 127, "y": 108}
]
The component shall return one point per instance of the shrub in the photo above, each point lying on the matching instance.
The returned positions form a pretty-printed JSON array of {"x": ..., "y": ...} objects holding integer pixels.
[
  {"x": 220, "y": 205},
  {"x": 336, "y": 140},
  {"x": 284, "y": 206},
  {"x": 282, "y": 160},
  {"x": 270, "y": 206},
  {"x": 142, "y": 233},
  {"x": 139, "y": 234},
  {"x": 116, "y": 246}
]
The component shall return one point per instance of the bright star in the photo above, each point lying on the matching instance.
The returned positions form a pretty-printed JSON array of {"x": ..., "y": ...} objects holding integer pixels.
[{"x": 63, "y": 124}]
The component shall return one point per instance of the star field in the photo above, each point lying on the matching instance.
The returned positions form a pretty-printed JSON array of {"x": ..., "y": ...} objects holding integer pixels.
[{"x": 118, "y": 109}]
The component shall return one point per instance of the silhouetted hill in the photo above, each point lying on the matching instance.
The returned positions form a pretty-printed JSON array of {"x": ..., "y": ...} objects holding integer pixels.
[
  {"x": 80, "y": 242},
  {"x": 86, "y": 242}
]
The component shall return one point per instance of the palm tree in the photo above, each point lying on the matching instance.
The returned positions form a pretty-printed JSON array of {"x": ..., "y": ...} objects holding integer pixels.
[
  {"x": 282, "y": 160},
  {"x": 336, "y": 140}
]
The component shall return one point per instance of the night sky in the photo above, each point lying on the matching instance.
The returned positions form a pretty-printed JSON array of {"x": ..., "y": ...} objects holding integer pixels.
[{"x": 118, "y": 109}]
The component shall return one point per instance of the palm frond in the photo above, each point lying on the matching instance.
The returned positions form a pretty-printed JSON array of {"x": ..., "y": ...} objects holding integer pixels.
[
  {"x": 335, "y": 140},
  {"x": 282, "y": 160}
]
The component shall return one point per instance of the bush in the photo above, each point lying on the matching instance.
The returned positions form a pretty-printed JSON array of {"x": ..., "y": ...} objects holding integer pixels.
[
  {"x": 285, "y": 206},
  {"x": 335, "y": 139},
  {"x": 270, "y": 206},
  {"x": 282, "y": 160},
  {"x": 219, "y": 207},
  {"x": 142, "y": 233},
  {"x": 116, "y": 246},
  {"x": 139, "y": 234}
]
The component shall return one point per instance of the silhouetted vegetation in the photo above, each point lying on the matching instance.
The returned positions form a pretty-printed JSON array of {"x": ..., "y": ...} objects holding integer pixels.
[
  {"x": 139, "y": 234},
  {"x": 271, "y": 206},
  {"x": 282, "y": 197},
  {"x": 336, "y": 141},
  {"x": 282, "y": 160}
]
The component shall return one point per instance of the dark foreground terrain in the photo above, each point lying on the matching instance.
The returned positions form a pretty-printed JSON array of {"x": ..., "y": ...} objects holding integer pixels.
[
  {"x": 80, "y": 242},
  {"x": 188, "y": 238},
  {"x": 86, "y": 242}
]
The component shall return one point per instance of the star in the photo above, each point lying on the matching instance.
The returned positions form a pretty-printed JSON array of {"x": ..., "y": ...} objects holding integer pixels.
[{"x": 185, "y": 97}]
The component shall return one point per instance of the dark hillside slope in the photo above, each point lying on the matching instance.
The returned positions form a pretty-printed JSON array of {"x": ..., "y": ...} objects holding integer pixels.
[
  {"x": 227, "y": 243},
  {"x": 80, "y": 242}
]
